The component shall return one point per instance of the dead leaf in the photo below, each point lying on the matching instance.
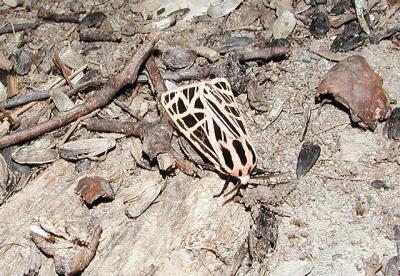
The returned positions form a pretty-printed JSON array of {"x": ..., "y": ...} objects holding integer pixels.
[
  {"x": 354, "y": 84},
  {"x": 93, "y": 188}
]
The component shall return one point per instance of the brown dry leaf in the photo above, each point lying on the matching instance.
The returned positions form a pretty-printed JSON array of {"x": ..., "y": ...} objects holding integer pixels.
[
  {"x": 93, "y": 188},
  {"x": 354, "y": 84}
]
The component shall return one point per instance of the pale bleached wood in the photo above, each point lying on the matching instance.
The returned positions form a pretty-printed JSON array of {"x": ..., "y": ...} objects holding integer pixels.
[{"x": 169, "y": 238}]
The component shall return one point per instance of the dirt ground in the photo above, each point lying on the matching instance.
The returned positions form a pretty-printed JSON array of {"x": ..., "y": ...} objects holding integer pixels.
[{"x": 331, "y": 223}]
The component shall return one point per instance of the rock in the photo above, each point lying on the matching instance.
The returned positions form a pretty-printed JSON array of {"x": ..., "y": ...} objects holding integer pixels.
[
  {"x": 13, "y": 3},
  {"x": 178, "y": 58},
  {"x": 22, "y": 62},
  {"x": 320, "y": 24},
  {"x": 284, "y": 25}
]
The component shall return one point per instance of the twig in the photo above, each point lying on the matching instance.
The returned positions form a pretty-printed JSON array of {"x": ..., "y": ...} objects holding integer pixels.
[
  {"x": 18, "y": 9},
  {"x": 329, "y": 129},
  {"x": 103, "y": 125},
  {"x": 84, "y": 86},
  {"x": 58, "y": 82},
  {"x": 379, "y": 35},
  {"x": 155, "y": 77},
  {"x": 159, "y": 87},
  {"x": 307, "y": 117},
  {"x": 189, "y": 74},
  {"x": 74, "y": 126},
  {"x": 23, "y": 109},
  {"x": 265, "y": 53},
  {"x": 100, "y": 99},
  {"x": 42, "y": 95},
  {"x": 11, "y": 120},
  {"x": 64, "y": 70},
  {"x": 19, "y": 27},
  {"x": 98, "y": 35},
  {"x": 125, "y": 108},
  {"x": 55, "y": 17},
  {"x": 12, "y": 85}
]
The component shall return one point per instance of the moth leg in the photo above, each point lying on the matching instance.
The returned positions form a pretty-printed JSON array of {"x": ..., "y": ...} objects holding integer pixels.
[
  {"x": 228, "y": 179},
  {"x": 235, "y": 189}
]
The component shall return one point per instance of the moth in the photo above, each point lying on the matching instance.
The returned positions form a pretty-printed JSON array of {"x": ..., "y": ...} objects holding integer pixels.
[{"x": 207, "y": 114}]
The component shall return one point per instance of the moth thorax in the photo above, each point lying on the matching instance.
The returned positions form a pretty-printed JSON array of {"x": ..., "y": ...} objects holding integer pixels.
[{"x": 244, "y": 179}]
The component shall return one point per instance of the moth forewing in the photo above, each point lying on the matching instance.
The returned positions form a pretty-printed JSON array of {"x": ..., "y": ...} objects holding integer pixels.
[{"x": 207, "y": 114}]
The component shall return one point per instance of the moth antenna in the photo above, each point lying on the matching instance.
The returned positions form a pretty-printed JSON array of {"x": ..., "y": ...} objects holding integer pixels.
[
  {"x": 267, "y": 175},
  {"x": 236, "y": 188},
  {"x": 270, "y": 184}
]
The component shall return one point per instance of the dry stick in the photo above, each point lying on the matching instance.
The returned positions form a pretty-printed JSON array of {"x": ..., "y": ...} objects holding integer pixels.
[
  {"x": 129, "y": 127},
  {"x": 266, "y": 53},
  {"x": 55, "y": 17},
  {"x": 64, "y": 70},
  {"x": 155, "y": 77},
  {"x": 100, "y": 99},
  {"x": 126, "y": 108},
  {"x": 159, "y": 87},
  {"x": 19, "y": 27},
  {"x": 114, "y": 126},
  {"x": 58, "y": 82},
  {"x": 74, "y": 126},
  {"x": 42, "y": 95},
  {"x": 12, "y": 10},
  {"x": 98, "y": 35}
]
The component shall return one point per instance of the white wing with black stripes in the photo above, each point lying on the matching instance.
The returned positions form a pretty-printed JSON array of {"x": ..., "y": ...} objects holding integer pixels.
[{"x": 208, "y": 116}]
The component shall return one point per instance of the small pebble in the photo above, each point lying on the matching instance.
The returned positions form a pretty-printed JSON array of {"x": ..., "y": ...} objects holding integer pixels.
[
  {"x": 94, "y": 19},
  {"x": 284, "y": 25},
  {"x": 178, "y": 58},
  {"x": 77, "y": 7},
  {"x": 129, "y": 29},
  {"x": 379, "y": 184},
  {"x": 340, "y": 7},
  {"x": 13, "y": 3},
  {"x": 320, "y": 25},
  {"x": 82, "y": 165},
  {"x": 22, "y": 62}
]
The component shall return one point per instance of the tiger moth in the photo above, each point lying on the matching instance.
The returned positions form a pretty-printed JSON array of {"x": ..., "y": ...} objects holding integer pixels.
[{"x": 207, "y": 114}]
